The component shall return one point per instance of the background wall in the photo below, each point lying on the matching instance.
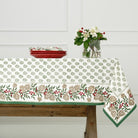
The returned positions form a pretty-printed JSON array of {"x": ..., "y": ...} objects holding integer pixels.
[{"x": 41, "y": 23}]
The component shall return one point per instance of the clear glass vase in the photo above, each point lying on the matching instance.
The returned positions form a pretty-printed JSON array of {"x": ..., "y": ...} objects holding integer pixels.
[{"x": 95, "y": 48}]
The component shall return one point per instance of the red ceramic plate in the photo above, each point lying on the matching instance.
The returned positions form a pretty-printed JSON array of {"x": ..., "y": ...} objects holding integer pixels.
[
  {"x": 47, "y": 52},
  {"x": 48, "y": 55}
]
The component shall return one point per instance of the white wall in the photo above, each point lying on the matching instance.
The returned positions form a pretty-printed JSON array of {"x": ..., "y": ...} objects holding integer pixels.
[{"x": 28, "y": 23}]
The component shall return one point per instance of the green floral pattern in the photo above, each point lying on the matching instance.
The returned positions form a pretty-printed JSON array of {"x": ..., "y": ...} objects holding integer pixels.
[
  {"x": 121, "y": 106},
  {"x": 117, "y": 107},
  {"x": 72, "y": 70},
  {"x": 54, "y": 92}
]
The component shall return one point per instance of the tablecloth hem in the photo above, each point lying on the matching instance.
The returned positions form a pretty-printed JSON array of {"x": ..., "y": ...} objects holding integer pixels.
[
  {"x": 117, "y": 124},
  {"x": 52, "y": 103}
]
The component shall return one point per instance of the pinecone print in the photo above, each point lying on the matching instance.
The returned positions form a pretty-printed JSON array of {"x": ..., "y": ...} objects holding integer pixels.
[
  {"x": 27, "y": 87},
  {"x": 121, "y": 113},
  {"x": 131, "y": 102},
  {"x": 16, "y": 96},
  {"x": 96, "y": 97},
  {"x": 52, "y": 97},
  {"x": 41, "y": 88},
  {"x": 101, "y": 98},
  {"x": 47, "y": 96},
  {"x": 113, "y": 113},
  {"x": 66, "y": 97},
  {"x": 112, "y": 99},
  {"x": 89, "y": 99},
  {"x": 14, "y": 85},
  {"x": 2, "y": 96},
  {"x": 39, "y": 99}
]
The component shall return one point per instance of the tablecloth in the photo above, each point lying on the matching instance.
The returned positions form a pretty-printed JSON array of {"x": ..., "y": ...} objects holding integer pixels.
[{"x": 80, "y": 81}]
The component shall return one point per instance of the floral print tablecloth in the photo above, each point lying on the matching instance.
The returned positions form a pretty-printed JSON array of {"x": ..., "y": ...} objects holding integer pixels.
[{"x": 77, "y": 81}]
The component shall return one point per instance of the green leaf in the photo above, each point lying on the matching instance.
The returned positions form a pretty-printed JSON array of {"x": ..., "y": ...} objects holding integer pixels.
[
  {"x": 86, "y": 44},
  {"x": 78, "y": 41},
  {"x": 100, "y": 36},
  {"x": 103, "y": 38},
  {"x": 88, "y": 54},
  {"x": 79, "y": 34}
]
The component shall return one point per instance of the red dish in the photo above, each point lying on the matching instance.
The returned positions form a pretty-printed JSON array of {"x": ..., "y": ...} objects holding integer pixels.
[
  {"x": 47, "y": 52},
  {"x": 48, "y": 55}
]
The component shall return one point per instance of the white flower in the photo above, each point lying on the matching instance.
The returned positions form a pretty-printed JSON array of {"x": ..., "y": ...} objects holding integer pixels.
[
  {"x": 93, "y": 31},
  {"x": 85, "y": 39},
  {"x": 94, "y": 35},
  {"x": 86, "y": 35}
]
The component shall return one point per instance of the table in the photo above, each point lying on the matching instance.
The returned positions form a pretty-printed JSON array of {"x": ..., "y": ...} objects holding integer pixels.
[
  {"x": 55, "y": 111},
  {"x": 42, "y": 85}
]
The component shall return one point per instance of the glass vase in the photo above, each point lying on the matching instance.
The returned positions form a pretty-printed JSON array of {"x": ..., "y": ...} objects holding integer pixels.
[
  {"x": 95, "y": 48},
  {"x": 84, "y": 53}
]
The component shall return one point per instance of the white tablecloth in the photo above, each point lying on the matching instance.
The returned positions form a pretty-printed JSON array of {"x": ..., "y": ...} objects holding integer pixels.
[{"x": 67, "y": 81}]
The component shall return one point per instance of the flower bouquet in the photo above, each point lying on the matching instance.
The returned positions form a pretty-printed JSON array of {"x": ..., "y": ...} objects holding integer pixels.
[{"x": 90, "y": 38}]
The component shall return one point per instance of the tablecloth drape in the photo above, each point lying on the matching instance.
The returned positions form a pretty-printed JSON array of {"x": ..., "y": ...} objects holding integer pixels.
[{"x": 77, "y": 81}]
